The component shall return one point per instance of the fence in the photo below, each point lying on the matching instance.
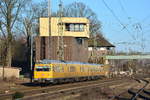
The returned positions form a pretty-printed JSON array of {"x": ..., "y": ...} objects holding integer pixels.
[{"x": 129, "y": 67}]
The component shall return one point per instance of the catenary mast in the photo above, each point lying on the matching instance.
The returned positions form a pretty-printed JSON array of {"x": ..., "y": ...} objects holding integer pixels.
[
  {"x": 60, "y": 50},
  {"x": 49, "y": 29}
]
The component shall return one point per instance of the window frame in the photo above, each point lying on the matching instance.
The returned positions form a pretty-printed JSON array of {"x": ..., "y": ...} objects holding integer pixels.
[{"x": 75, "y": 27}]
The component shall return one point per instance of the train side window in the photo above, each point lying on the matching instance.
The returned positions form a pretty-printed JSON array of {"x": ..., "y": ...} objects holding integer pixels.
[
  {"x": 62, "y": 70},
  {"x": 96, "y": 69},
  {"x": 56, "y": 69},
  {"x": 72, "y": 69},
  {"x": 100, "y": 69},
  {"x": 88, "y": 69},
  {"x": 81, "y": 69},
  {"x": 50, "y": 68},
  {"x": 68, "y": 68}
]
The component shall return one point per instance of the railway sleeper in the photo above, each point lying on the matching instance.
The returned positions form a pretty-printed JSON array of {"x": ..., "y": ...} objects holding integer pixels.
[
  {"x": 140, "y": 95},
  {"x": 146, "y": 92},
  {"x": 144, "y": 97}
]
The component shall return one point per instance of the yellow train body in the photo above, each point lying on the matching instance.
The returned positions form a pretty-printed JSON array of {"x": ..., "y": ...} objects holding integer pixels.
[{"x": 57, "y": 71}]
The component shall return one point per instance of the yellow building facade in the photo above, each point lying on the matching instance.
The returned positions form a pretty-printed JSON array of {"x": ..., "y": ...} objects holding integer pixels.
[{"x": 71, "y": 26}]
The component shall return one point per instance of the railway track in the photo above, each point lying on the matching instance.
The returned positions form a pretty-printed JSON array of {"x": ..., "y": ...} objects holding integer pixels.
[
  {"x": 135, "y": 93},
  {"x": 58, "y": 90},
  {"x": 70, "y": 90}
]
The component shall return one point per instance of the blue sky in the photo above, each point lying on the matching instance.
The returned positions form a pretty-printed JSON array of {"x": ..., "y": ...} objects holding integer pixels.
[{"x": 133, "y": 14}]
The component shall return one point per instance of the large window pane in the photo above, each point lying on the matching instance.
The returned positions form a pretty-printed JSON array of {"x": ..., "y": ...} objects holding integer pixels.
[
  {"x": 81, "y": 27},
  {"x": 71, "y": 27},
  {"x": 67, "y": 27},
  {"x": 77, "y": 27}
]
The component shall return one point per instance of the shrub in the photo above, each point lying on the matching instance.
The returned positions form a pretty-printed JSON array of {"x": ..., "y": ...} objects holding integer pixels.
[{"x": 18, "y": 95}]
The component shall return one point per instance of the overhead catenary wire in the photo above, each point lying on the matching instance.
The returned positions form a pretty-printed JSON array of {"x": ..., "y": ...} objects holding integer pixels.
[
  {"x": 139, "y": 28},
  {"x": 115, "y": 16},
  {"x": 138, "y": 25},
  {"x": 146, "y": 18},
  {"x": 123, "y": 9}
]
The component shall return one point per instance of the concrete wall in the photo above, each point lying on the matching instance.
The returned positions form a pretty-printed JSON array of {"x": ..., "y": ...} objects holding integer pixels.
[{"x": 10, "y": 72}]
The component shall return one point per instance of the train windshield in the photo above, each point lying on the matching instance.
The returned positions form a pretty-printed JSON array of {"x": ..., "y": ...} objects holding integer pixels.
[{"x": 43, "y": 68}]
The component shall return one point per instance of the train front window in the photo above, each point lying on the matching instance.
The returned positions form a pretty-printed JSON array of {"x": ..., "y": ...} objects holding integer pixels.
[
  {"x": 46, "y": 69},
  {"x": 42, "y": 68},
  {"x": 39, "y": 69}
]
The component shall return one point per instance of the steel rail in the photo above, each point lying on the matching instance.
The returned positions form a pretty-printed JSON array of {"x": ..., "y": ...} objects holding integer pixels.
[
  {"x": 134, "y": 94},
  {"x": 78, "y": 88},
  {"x": 134, "y": 97},
  {"x": 40, "y": 90}
]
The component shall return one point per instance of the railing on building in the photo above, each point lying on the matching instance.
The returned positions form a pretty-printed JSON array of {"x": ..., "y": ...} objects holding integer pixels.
[{"x": 113, "y": 57}]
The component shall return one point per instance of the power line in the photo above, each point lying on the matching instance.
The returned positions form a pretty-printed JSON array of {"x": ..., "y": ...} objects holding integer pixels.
[
  {"x": 123, "y": 9},
  {"x": 115, "y": 16},
  {"x": 139, "y": 28},
  {"x": 146, "y": 18},
  {"x": 138, "y": 25}
]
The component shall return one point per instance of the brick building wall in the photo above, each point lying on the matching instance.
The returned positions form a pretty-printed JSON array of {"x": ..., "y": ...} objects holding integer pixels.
[{"x": 75, "y": 49}]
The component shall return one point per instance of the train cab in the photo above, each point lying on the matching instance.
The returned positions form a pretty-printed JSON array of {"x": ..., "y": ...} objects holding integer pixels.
[{"x": 42, "y": 72}]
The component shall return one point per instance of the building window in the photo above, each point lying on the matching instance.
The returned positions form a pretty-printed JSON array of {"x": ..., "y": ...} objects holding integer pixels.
[
  {"x": 67, "y": 27},
  {"x": 74, "y": 27},
  {"x": 80, "y": 41},
  {"x": 71, "y": 26},
  {"x": 81, "y": 27},
  {"x": 90, "y": 48},
  {"x": 108, "y": 48}
]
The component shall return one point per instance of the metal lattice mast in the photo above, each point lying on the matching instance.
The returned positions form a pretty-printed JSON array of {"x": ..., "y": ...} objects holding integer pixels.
[
  {"x": 49, "y": 29},
  {"x": 60, "y": 34},
  {"x": 95, "y": 49}
]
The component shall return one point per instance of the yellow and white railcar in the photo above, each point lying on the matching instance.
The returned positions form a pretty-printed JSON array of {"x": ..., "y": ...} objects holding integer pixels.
[{"x": 54, "y": 71}]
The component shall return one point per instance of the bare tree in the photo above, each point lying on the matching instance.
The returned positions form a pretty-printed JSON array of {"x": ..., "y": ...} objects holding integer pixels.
[
  {"x": 78, "y": 9},
  {"x": 9, "y": 12},
  {"x": 30, "y": 19},
  {"x": 28, "y": 24}
]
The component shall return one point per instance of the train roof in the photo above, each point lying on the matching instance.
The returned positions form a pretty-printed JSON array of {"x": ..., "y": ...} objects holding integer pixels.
[{"x": 46, "y": 61}]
